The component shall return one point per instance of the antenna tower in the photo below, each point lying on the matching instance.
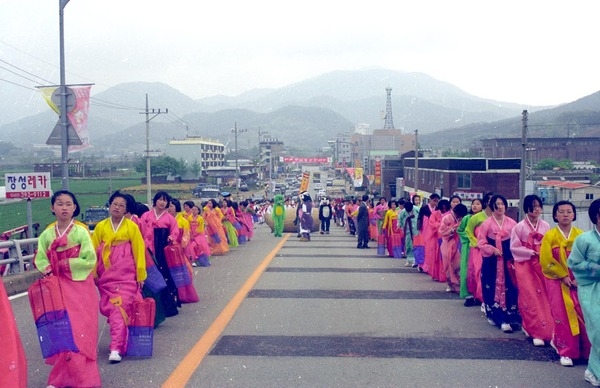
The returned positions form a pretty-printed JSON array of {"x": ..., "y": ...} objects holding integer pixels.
[{"x": 389, "y": 120}]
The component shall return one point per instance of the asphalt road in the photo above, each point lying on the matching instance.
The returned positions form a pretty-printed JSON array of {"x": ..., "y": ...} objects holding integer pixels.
[{"x": 321, "y": 314}]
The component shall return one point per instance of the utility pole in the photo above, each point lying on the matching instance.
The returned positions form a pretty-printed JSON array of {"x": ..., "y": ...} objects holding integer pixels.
[
  {"x": 155, "y": 112},
  {"x": 416, "y": 161},
  {"x": 523, "y": 162},
  {"x": 235, "y": 132},
  {"x": 64, "y": 120}
]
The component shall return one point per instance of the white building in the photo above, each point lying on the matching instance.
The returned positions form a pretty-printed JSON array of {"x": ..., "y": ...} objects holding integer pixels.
[{"x": 195, "y": 149}]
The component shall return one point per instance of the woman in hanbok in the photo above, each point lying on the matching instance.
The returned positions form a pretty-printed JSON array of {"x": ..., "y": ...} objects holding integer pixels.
[
  {"x": 373, "y": 229},
  {"x": 449, "y": 249},
  {"x": 380, "y": 209},
  {"x": 121, "y": 270},
  {"x": 431, "y": 243},
  {"x": 159, "y": 228},
  {"x": 525, "y": 243},
  {"x": 497, "y": 273},
  {"x": 408, "y": 223},
  {"x": 65, "y": 250},
  {"x": 245, "y": 220},
  {"x": 475, "y": 258},
  {"x": 570, "y": 337},
  {"x": 214, "y": 228},
  {"x": 228, "y": 221},
  {"x": 199, "y": 247},
  {"x": 390, "y": 227},
  {"x": 13, "y": 363},
  {"x": 437, "y": 272},
  {"x": 183, "y": 223},
  {"x": 584, "y": 262},
  {"x": 467, "y": 272}
]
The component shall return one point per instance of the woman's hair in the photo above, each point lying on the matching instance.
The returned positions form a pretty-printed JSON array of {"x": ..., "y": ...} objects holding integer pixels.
[
  {"x": 408, "y": 206},
  {"x": 443, "y": 205},
  {"x": 401, "y": 202},
  {"x": 494, "y": 199},
  {"x": 66, "y": 192},
  {"x": 189, "y": 204},
  {"x": 560, "y": 203},
  {"x": 480, "y": 202},
  {"x": 161, "y": 195},
  {"x": 177, "y": 204},
  {"x": 529, "y": 202},
  {"x": 214, "y": 202},
  {"x": 460, "y": 210},
  {"x": 434, "y": 196},
  {"x": 457, "y": 197},
  {"x": 129, "y": 201},
  {"x": 486, "y": 200},
  {"x": 392, "y": 201},
  {"x": 594, "y": 210},
  {"x": 140, "y": 208},
  {"x": 413, "y": 198}
]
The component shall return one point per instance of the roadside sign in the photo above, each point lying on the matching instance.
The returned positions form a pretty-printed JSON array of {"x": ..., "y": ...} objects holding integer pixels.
[{"x": 28, "y": 185}]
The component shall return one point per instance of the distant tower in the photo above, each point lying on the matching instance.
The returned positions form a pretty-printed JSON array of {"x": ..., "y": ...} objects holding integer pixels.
[{"x": 389, "y": 120}]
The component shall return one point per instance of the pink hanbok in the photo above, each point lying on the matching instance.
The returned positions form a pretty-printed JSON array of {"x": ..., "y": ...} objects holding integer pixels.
[
  {"x": 449, "y": 250},
  {"x": 526, "y": 240},
  {"x": 121, "y": 265},
  {"x": 198, "y": 246},
  {"x": 433, "y": 245},
  {"x": 570, "y": 337}
]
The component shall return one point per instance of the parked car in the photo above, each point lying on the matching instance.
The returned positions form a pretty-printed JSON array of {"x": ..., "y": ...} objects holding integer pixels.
[{"x": 243, "y": 186}]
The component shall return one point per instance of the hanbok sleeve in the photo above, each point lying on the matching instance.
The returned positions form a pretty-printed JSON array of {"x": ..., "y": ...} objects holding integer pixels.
[
  {"x": 519, "y": 251},
  {"x": 445, "y": 228},
  {"x": 83, "y": 265},
  {"x": 551, "y": 267},
  {"x": 41, "y": 261},
  {"x": 486, "y": 248},
  {"x": 581, "y": 260},
  {"x": 138, "y": 249}
]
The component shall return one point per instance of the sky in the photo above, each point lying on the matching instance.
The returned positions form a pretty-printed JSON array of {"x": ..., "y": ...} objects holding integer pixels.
[{"x": 529, "y": 52}]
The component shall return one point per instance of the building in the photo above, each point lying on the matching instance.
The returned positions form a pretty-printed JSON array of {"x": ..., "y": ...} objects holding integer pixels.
[
  {"x": 582, "y": 149},
  {"x": 194, "y": 149},
  {"x": 580, "y": 194},
  {"x": 270, "y": 149},
  {"x": 466, "y": 177}
]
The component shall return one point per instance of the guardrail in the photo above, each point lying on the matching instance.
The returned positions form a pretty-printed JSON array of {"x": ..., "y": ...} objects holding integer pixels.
[{"x": 20, "y": 255}]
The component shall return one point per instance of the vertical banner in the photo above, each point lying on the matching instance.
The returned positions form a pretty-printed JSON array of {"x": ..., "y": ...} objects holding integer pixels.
[
  {"x": 304, "y": 182},
  {"x": 77, "y": 114},
  {"x": 358, "y": 177},
  {"x": 377, "y": 172}
]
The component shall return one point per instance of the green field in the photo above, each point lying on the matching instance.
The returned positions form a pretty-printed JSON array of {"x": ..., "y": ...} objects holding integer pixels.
[{"x": 89, "y": 192}]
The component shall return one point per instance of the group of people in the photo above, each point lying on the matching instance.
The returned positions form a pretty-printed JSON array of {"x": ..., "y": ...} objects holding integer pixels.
[
  {"x": 122, "y": 262},
  {"x": 526, "y": 276}
]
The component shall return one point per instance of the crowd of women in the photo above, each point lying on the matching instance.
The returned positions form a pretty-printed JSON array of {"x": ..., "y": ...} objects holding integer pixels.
[
  {"x": 124, "y": 261},
  {"x": 526, "y": 276}
]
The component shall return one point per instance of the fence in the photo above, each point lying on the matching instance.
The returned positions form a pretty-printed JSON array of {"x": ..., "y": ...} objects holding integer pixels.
[{"x": 17, "y": 255}]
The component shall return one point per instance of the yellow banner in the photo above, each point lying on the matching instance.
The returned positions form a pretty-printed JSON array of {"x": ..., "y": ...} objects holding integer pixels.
[{"x": 305, "y": 181}]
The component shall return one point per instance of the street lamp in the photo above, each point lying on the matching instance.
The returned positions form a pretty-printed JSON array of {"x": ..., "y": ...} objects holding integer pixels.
[{"x": 237, "y": 131}]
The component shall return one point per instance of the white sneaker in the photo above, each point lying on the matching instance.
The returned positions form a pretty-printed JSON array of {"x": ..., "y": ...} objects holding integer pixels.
[
  {"x": 591, "y": 378},
  {"x": 407, "y": 264},
  {"x": 483, "y": 308},
  {"x": 114, "y": 357},
  {"x": 448, "y": 289},
  {"x": 538, "y": 342},
  {"x": 505, "y": 327},
  {"x": 491, "y": 322},
  {"x": 566, "y": 361}
]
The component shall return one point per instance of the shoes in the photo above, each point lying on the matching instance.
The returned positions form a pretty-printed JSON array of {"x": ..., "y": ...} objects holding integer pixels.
[
  {"x": 538, "y": 342},
  {"x": 469, "y": 302},
  {"x": 591, "y": 378},
  {"x": 321, "y": 232},
  {"x": 421, "y": 269},
  {"x": 566, "y": 361},
  {"x": 114, "y": 357},
  {"x": 303, "y": 239},
  {"x": 505, "y": 327},
  {"x": 407, "y": 264},
  {"x": 491, "y": 322},
  {"x": 414, "y": 265},
  {"x": 448, "y": 289},
  {"x": 194, "y": 264},
  {"x": 359, "y": 247},
  {"x": 327, "y": 232},
  {"x": 483, "y": 308},
  {"x": 366, "y": 247}
]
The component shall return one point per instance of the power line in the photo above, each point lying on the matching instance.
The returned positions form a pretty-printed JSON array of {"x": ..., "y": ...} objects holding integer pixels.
[
  {"x": 24, "y": 71},
  {"x": 16, "y": 84}
]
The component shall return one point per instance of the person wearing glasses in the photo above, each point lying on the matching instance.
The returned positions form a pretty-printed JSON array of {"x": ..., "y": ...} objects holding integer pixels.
[
  {"x": 121, "y": 269},
  {"x": 569, "y": 338}
]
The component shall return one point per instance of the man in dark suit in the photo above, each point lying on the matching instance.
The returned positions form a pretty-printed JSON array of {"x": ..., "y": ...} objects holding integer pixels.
[{"x": 362, "y": 224}]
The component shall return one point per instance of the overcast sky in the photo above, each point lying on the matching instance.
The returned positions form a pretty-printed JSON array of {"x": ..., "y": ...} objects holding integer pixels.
[{"x": 529, "y": 52}]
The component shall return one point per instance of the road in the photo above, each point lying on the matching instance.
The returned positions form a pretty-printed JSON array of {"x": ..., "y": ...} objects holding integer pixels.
[{"x": 283, "y": 313}]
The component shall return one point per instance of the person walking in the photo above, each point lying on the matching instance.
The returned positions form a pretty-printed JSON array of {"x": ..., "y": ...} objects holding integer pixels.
[
  {"x": 362, "y": 223},
  {"x": 65, "y": 250}
]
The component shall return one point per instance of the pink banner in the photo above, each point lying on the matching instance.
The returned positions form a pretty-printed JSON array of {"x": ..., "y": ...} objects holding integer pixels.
[
  {"x": 78, "y": 117},
  {"x": 295, "y": 159}
]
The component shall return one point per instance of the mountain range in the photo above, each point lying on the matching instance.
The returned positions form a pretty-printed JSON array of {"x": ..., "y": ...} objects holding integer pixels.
[{"x": 306, "y": 114}]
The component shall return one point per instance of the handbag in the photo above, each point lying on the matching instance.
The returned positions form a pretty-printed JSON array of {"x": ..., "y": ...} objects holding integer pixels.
[
  {"x": 140, "y": 337},
  {"x": 155, "y": 281},
  {"x": 51, "y": 317},
  {"x": 181, "y": 272}
]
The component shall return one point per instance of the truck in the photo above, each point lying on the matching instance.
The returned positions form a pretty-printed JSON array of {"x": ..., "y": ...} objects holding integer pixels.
[
  {"x": 208, "y": 192},
  {"x": 93, "y": 215}
]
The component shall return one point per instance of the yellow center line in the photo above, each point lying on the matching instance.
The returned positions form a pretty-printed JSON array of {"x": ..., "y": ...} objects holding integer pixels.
[{"x": 182, "y": 374}]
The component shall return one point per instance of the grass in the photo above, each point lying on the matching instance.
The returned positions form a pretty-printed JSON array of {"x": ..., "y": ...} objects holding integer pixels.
[{"x": 89, "y": 192}]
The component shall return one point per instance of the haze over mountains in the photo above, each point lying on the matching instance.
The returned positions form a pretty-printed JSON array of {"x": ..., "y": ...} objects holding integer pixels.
[{"x": 306, "y": 114}]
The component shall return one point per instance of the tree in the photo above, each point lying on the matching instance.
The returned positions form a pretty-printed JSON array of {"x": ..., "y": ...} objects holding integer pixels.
[
  {"x": 196, "y": 168},
  {"x": 550, "y": 164},
  {"x": 162, "y": 165}
]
